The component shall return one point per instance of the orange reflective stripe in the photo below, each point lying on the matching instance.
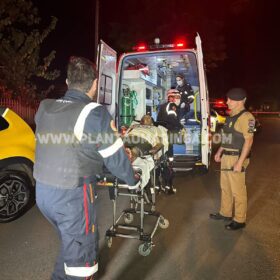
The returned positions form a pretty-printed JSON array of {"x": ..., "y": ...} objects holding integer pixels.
[{"x": 91, "y": 193}]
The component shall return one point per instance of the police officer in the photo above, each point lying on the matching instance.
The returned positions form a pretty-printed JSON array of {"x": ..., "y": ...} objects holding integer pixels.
[
  {"x": 237, "y": 140},
  {"x": 71, "y": 149}
]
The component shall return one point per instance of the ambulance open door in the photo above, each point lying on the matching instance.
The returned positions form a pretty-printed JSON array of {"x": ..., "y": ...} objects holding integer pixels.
[
  {"x": 106, "y": 64},
  {"x": 205, "y": 132}
]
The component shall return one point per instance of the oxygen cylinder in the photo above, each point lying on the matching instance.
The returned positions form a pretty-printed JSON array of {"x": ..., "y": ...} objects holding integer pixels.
[{"x": 128, "y": 105}]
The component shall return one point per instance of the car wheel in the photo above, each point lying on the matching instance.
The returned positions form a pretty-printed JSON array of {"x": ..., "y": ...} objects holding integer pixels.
[{"x": 16, "y": 194}]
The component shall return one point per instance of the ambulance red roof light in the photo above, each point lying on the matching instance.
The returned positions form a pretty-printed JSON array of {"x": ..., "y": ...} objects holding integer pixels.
[
  {"x": 180, "y": 44},
  {"x": 140, "y": 48}
]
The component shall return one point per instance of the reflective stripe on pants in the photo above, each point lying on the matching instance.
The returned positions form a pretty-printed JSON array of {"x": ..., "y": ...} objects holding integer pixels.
[{"x": 72, "y": 212}]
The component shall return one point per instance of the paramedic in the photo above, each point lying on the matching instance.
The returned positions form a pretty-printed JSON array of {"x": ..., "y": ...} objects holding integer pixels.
[
  {"x": 237, "y": 140},
  {"x": 187, "y": 95},
  {"x": 168, "y": 118},
  {"x": 167, "y": 115},
  {"x": 70, "y": 151}
]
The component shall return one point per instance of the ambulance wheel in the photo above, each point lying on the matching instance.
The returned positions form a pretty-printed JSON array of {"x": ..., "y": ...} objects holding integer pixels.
[
  {"x": 128, "y": 218},
  {"x": 163, "y": 223},
  {"x": 109, "y": 240},
  {"x": 145, "y": 249}
]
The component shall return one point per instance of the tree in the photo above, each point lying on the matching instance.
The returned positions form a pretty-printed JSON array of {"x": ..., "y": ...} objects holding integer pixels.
[{"x": 20, "y": 42}]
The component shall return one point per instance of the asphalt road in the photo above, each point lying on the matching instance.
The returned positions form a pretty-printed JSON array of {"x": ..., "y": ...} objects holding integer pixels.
[{"x": 193, "y": 247}]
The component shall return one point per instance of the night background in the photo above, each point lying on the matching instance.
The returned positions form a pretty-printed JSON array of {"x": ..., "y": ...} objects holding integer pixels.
[{"x": 239, "y": 37}]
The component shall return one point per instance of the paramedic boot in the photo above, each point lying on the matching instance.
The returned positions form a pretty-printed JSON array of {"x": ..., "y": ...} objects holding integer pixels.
[{"x": 170, "y": 189}]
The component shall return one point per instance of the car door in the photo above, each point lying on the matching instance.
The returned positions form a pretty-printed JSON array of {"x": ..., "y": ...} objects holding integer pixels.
[
  {"x": 106, "y": 64},
  {"x": 205, "y": 116}
]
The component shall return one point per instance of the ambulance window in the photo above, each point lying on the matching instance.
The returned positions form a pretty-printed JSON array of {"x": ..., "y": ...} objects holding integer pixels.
[{"x": 105, "y": 93}]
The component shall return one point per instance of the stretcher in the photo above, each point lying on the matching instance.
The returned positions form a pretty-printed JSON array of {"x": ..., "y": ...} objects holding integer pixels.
[{"x": 142, "y": 204}]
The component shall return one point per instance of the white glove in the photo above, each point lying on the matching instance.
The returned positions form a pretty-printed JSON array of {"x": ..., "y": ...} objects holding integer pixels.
[
  {"x": 183, "y": 105},
  {"x": 182, "y": 121}
]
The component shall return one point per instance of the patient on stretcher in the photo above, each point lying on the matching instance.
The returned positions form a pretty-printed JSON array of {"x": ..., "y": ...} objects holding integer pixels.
[{"x": 146, "y": 139}]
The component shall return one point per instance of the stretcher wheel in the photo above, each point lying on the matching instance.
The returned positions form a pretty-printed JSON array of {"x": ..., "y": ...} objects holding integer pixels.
[
  {"x": 128, "y": 218},
  {"x": 109, "y": 240},
  {"x": 163, "y": 223},
  {"x": 145, "y": 249}
]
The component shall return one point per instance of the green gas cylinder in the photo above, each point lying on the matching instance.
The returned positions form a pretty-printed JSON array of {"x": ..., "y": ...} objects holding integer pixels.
[{"x": 128, "y": 105}]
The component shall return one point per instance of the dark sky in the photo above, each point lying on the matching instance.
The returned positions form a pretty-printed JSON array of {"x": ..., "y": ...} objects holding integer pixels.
[{"x": 251, "y": 36}]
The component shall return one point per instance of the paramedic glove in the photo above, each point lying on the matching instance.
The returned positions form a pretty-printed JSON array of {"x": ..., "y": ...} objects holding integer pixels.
[
  {"x": 183, "y": 121},
  {"x": 137, "y": 182},
  {"x": 190, "y": 98}
]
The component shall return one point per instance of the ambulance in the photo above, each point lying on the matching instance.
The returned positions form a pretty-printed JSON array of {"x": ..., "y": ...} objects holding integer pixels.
[{"x": 136, "y": 84}]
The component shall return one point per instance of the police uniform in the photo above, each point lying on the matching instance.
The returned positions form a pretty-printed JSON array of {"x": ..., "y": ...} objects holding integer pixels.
[
  {"x": 234, "y": 194},
  {"x": 75, "y": 137},
  {"x": 238, "y": 127}
]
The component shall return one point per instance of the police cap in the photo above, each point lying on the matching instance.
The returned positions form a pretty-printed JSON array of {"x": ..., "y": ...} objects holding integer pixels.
[{"x": 236, "y": 94}]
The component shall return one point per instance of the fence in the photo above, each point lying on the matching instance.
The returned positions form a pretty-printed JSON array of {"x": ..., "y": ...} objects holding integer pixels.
[{"x": 26, "y": 112}]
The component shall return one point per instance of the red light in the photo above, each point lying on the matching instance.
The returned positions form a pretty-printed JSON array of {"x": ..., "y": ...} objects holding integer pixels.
[
  {"x": 180, "y": 45},
  {"x": 140, "y": 48}
]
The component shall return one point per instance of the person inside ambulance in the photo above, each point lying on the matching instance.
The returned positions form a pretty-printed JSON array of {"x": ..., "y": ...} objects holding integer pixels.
[
  {"x": 187, "y": 95},
  {"x": 168, "y": 117},
  {"x": 168, "y": 112},
  {"x": 71, "y": 149}
]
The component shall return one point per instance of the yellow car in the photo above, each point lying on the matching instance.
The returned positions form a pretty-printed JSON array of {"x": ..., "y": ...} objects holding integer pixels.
[
  {"x": 216, "y": 120},
  {"x": 17, "y": 146}
]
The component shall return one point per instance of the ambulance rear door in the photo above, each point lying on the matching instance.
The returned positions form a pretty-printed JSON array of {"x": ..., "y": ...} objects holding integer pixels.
[
  {"x": 106, "y": 64},
  {"x": 205, "y": 129}
]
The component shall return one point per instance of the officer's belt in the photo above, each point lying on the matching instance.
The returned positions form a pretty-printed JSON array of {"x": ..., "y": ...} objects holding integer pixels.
[
  {"x": 231, "y": 153},
  {"x": 234, "y": 153}
]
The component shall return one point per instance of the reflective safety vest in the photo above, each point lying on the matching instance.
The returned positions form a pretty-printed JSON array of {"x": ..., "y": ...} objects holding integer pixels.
[{"x": 64, "y": 155}]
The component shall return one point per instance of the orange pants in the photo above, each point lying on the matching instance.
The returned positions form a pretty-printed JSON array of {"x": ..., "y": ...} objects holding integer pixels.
[{"x": 233, "y": 190}]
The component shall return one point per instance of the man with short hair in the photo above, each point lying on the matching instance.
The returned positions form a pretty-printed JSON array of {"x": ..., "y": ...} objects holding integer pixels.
[
  {"x": 75, "y": 137},
  {"x": 237, "y": 140}
]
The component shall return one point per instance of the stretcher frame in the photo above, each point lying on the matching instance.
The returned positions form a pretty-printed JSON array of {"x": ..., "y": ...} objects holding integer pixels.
[{"x": 138, "y": 200}]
